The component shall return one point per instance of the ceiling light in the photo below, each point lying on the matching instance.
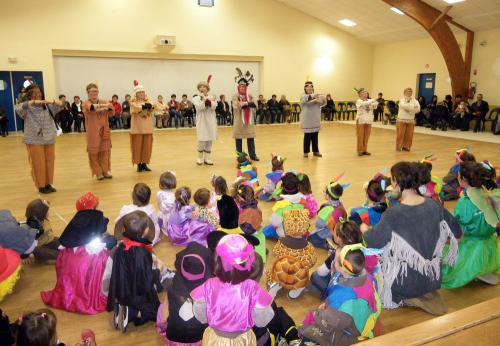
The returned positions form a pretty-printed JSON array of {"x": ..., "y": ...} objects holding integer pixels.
[
  {"x": 347, "y": 22},
  {"x": 397, "y": 10},
  {"x": 453, "y": 1}
]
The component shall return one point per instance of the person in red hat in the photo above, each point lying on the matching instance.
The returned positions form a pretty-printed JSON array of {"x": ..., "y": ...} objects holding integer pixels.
[
  {"x": 141, "y": 128},
  {"x": 87, "y": 202},
  {"x": 10, "y": 266}
]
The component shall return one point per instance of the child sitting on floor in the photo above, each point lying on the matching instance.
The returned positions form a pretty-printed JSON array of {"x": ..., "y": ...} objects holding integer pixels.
[
  {"x": 182, "y": 227},
  {"x": 329, "y": 214},
  {"x": 430, "y": 186},
  {"x": 273, "y": 178},
  {"x": 141, "y": 196},
  {"x": 203, "y": 210},
  {"x": 451, "y": 188},
  {"x": 37, "y": 328},
  {"x": 133, "y": 294},
  {"x": 232, "y": 303},
  {"x": 10, "y": 270},
  {"x": 305, "y": 188},
  {"x": 247, "y": 171},
  {"x": 166, "y": 198},
  {"x": 37, "y": 217}
]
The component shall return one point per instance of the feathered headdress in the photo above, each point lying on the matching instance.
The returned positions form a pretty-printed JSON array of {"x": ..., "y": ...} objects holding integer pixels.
[
  {"x": 331, "y": 185},
  {"x": 205, "y": 83},
  {"x": 138, "y": 87},
  {"x": 241, "y": 77}
]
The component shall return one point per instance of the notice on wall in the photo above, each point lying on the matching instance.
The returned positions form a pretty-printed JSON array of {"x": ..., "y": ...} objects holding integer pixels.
[{"x": 428, "y": 85}]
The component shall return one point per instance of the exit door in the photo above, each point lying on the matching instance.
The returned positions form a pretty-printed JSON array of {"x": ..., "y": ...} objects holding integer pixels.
[{"x": 426, "y": 85}]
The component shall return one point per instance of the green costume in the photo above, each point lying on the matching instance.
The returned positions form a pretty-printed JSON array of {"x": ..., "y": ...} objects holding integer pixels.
[{"x": 479, "y": 252}]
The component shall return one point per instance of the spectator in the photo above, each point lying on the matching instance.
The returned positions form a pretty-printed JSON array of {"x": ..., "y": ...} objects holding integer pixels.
[
  {"x": 274, "y": 109},
  {"x": 329, "y": 108},
  {"x": 262, "y": 110},
  {"x": 77, "y": 111},
  {"x": 456, "y": 103},
  {"x": 160, "y": 112},
  {"x": 440, "y": 116},
  {"x": 379, "y": 111},
  {"x": 478, "y": 111},
  {"x": 4, "y": 132},
  {"x": 420, "y": 117},
  {"x": 126, "y": 112},
  {"x": 286, "y": 109},
  {"x": 174, "y": 110},
  {"x": 65, "y": 115},
  {"x": 461, "y": 117},
  {"x": 117, "y": 118},
  {"x": 223, "y": 112},
  {"x": 449, "y": 103},
  {"x": 187, "y": 112}
]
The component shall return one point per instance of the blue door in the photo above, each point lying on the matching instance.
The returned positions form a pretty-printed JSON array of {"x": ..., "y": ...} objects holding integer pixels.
[
  {"x": 6, "y": 101},
  {"x": 426, "y": 85},
  {"x": 19, "y": 80}
]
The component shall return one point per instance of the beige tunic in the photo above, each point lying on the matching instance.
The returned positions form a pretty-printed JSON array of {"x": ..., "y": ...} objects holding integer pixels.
[
  {"x": 95, "y": 123},
  {"x": 140, "y": 120},
  {"x": 241, "y": 130}
]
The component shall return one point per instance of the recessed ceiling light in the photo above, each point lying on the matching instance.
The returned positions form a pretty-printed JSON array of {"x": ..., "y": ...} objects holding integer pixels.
[
  {"x": 453, "y": 1},
  {"x": 347, "y": 22},
  {"x": 397, "y": 10}
]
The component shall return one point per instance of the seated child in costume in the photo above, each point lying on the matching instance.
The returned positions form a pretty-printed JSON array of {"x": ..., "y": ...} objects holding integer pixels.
[
  {"x": 478, "y": 214},
  {"x": 133, "y": 295},
  {"x": 19, "y": 238},
  {"x": 232, "y": 303},
  {"x": 292, "y": 199},
  {"x": 166, "y": 198},
  {"x": 329, "y": 214},
  {"x": 182, "y": 227},
  {"x": 430, "y": 185},
  {"x": 370, "y": 213},
  {"x": 82, "y": 278},
  {"x": 451, "y": 188},
  {"x": 203, "y": 209},
  {"x": 305, "y": 188},
  {"x": 492, "y": 182},
  {"x": 10, "y": 270},
  {"x": 269, "y": 192},
  {"x": 37, "y": 328},
  {"x": 295, "y": 255},
  {"x": 219, "y": 188},
  {"x": 141, "y": 196},
  {"x": 250, "y": 217},
  {"x": 247, "y": 171},
  {"x": 194, "y": 266},
  {"x": 227, "y": 208},
  {"x": 351, "y": 297}
]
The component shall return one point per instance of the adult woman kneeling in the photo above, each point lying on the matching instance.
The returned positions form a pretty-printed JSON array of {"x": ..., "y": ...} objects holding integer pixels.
[{"x": 412, "y": 236}]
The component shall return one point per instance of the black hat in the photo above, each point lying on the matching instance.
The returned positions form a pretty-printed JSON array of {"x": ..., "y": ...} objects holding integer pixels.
[
  {"x": 213, "y": 239},
  {"x": 193, "y": 265},
  {"x": 83, "y": 228},
  {"x": 228, "y": 212}
]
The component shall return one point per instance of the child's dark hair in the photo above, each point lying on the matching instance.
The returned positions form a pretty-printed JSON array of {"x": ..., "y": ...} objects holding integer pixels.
[
  {"x": 348, "y": 232},
  {"x": 290, "y": 184},
  {"x": 220, "y": 185},
  {"x": 241, "y": 159},
  {"x": 37, "y": 328},
  {"x": 406, "y": 175},
  {"x": 304, "y": 184},
  {"x": 134, "y": 225},
  {"x": 245, "y": 194},
  {"x": 424, "y": 173},
  {"x": 335, "y": 192},
  {"x": 141, "y": 194},
  {"x": 491, "y": 175},
  {"x": 183, "y": 196},
  {"x": 202, "y": 197},
  {"x": 234, "y": 276},
  {"x": 467, "y": 156},
  {"x": 474, "y": 173},
  {"x": 357, "y": 260},
  {"x": 168, "y": 181},
  {"x": 377, "y": 188},
  {"x": 257, "y": 268},
  {"x": 277, "y": 163}
]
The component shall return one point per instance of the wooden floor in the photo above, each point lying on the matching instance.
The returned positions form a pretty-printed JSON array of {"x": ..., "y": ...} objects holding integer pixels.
[{"x": 176, "y": 150}]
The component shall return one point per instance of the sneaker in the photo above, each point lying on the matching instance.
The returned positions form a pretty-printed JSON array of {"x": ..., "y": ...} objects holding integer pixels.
[
  {"x": 294, "y": 294},
  {"x": 50, "y": 188},
  {"x": 490, "y": 279}
]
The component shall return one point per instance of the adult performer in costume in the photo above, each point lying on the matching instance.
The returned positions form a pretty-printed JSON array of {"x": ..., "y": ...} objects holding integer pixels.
[
  {"x": 97, "y": 113},
  {"x": 310, "y": 118},
  {"x": 364, "y": 119},
  {"x": 243, "y": 111},
  {"x": 39, "y": 136},
  {"x": 141, "y": 128},
  {"x": 405, "y": 125},
  {"x": 206, "y": 121}
]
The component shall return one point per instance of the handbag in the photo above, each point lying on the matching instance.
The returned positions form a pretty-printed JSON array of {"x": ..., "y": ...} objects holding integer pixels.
[{"x": 58, "y": 129}]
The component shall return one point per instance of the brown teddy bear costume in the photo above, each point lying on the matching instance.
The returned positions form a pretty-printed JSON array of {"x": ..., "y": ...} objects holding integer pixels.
[{"x": 295, "y": 254}]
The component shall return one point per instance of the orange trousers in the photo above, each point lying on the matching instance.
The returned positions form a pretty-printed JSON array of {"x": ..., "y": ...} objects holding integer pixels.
[
  {"x": 100, "y": 162},
  {"x": 41, "y": 159},
  {"x": 363, "y": 134},
  {"x": 404, "y": 135},
  {"x": 142, "y": 147}
]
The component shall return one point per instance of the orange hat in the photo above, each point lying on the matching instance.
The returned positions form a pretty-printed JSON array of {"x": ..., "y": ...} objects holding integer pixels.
[{"x": 87, "y": 202}]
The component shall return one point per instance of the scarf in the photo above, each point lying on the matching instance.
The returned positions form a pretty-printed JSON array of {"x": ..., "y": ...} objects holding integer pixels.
[{"x": 246, "y": 112}]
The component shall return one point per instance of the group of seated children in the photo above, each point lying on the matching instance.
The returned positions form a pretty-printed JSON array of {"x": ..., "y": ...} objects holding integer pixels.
[{"x": 213, "y": 296}]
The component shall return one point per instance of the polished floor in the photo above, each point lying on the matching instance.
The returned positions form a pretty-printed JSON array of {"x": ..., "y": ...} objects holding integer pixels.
[{"x": 176, "y": 150}]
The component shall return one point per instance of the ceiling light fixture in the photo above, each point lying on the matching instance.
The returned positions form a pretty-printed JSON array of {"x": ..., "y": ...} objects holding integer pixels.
[
  {"x": 453, "y": 1},
  {"x": 397, "y": 10},
  {"x": 347, "y": 22}
]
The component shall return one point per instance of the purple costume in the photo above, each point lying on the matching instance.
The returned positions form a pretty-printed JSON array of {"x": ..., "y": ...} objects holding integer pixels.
[{"x": 183, "y": 229}]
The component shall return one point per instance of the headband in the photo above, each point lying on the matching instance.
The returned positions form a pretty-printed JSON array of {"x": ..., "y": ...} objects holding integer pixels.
[
  {"x": 428, "y": 159},
  {"x": 344, "y": 263},
  {"x": 189, "y": 276}
]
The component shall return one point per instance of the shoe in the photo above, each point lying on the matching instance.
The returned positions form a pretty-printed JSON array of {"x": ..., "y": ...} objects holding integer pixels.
[
  {"x": 43, "y": 190},
  {"x": 88, "y": 338},
  {"x": 50, "y": 188},
  {"x": 360, "y": 154},
  {"x": 116, "y": 316},
  {"x": 306, "y": 155},
  {"x": 366, "y": 153},
  {"x": 294, "y": 294},
  {"x": 490, "y": 279},
  {"x": 100, "y": 177},
  {"x": 123, "y": 318},
  {"x": 139, "y": 167},
  {"x": 207, "y": 160},
  {"x": 273, "y": 289},
  {"x": 317, "y": 154},
  {"x": 145, "y": 168},
  {"x": 405, "y": 149},
  {"x": 255, "y": 158},
  {"x": 199, "y": 160},
  {"x": 430, "y": 302},
  {"x": 107, "y": 176}
]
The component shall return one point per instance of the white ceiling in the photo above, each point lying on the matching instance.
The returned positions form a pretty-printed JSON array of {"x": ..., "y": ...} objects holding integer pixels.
[{"x": 377, "y": 24}]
